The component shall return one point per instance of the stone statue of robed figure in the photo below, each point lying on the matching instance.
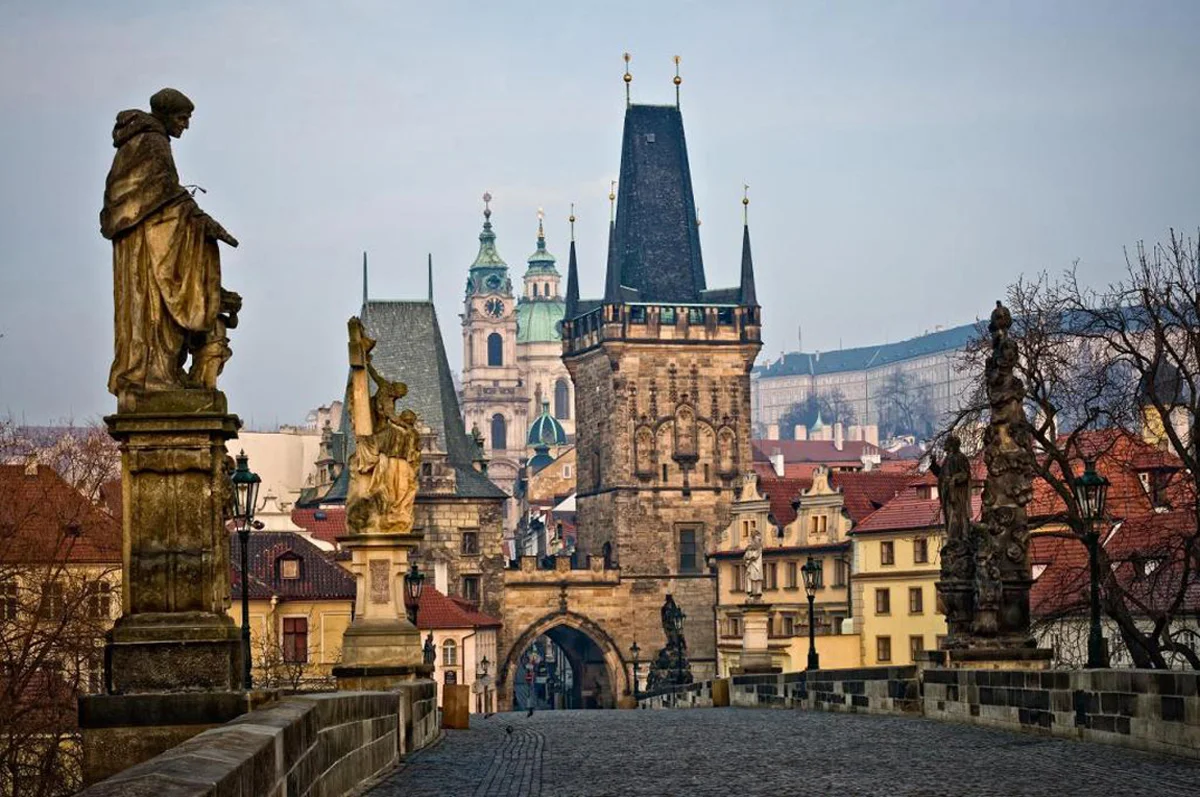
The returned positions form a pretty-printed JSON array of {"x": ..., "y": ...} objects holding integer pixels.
[{"x": 170, "y": 310}]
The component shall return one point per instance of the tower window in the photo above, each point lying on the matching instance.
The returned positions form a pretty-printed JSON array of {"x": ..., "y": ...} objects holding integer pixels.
[
  {"x": 562, "y": 400},
  {"x": 499, "y": 433},
  {"x": 495, "y": 346},
  {"x": 535, "y": 289}
]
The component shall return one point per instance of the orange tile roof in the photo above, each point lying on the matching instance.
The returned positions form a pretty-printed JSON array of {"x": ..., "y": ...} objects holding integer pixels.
[
  {"x": 43, "y": 518},
  {"x": 324, "y": 523},
  {"x": 437, "y": 611}
]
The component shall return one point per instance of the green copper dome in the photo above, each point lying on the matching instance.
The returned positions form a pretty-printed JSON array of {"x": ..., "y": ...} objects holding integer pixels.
[
  {"x": 541, "y": 261},
  {"x": 538, "y": 321},
  {"x": 546, "y": 430}
]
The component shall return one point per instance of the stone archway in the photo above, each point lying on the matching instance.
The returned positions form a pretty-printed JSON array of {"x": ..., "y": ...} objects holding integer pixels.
[{"x": 574, "y": 633}]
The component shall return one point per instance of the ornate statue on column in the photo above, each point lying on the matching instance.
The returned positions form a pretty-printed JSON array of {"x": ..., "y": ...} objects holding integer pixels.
[
  {"x": 170, "y": 308},
  {"x": 985, "y": 577},
  {"x": 387, "y": 454},
  {"x": 753, "y": 559}
]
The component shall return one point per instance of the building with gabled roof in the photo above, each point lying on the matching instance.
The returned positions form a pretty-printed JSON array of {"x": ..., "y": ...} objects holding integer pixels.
[{"x": 464, "y": 641}]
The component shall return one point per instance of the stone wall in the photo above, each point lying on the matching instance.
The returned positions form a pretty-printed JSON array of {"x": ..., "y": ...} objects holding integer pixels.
[
  {"x": 1143, "y": 709},
  {"x": 327, "y": 744},
  {"x": 443, "y": 520}
]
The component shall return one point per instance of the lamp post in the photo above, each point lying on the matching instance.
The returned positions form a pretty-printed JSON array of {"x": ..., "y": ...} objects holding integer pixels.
[
  {"x": 1091, "y": 493},
  {"x": 481, "y": 677},
  {"x": 636, "y": 653},
  {"x": 414, "y": 583},
  {"x": 812, "y": 570},
  {"x": 243, "y": 499}
]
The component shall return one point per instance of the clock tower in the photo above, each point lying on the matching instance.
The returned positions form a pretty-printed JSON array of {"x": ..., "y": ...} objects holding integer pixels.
[{"x": 494, "y": 400}]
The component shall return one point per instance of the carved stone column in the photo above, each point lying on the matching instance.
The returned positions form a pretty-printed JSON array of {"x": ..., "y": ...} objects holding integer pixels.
[{"x": 756, "y": 652}]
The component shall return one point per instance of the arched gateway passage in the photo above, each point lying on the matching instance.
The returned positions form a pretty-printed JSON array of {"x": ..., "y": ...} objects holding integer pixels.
[{"x": 598, "y": 678}]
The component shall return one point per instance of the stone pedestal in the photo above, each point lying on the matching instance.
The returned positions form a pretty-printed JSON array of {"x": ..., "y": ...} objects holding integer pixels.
[
  {"x": 756, "y": 652},
  {"x": 173, "y": 658},
  {"x": 380, "y": 647},
  {"x": 1010, "y": 658}
]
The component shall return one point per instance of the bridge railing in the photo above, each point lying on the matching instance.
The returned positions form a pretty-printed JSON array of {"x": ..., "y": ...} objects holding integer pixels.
[
  {"x": 328, "y": 744},
  {"x": 1149, "y": 710}
]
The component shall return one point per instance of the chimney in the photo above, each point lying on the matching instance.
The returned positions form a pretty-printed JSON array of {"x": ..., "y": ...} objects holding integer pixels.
[
  {"x": 772, "y": 431},
  {"x": 801, "y": 432},
  {"x": 838, "y": 437},
  {"x": 777, "y": 463},
  {"x": 854, "y": 433},
  {"x": 31, "y": 467},
  {"x": 871, "y": 434}
]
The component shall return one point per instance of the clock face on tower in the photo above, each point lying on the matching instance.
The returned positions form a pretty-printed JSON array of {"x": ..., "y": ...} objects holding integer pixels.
[{"x": 494, "y": 307}]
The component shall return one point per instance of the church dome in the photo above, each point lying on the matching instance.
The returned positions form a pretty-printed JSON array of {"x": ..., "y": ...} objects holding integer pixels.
[
  {"x": 546, "y": 430},
  {"x": 538, "y": 321},
  {"x": 541, "y": 261}
]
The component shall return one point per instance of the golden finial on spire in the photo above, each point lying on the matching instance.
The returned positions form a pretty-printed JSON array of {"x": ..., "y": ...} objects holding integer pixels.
[
  {"x": 541, "y": 215},
  {"x": 745, "y": 204},
  {"x": 677, "y": 81},
  {"x": 628, "y": 79},
  {"x": 612, "y": 202},
  {"x": 487, "y": 199},
  {"x": 571, "y": 219}
]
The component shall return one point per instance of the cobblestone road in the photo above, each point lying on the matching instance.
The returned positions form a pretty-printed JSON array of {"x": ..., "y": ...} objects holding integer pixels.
[{"x": 753, "y": 753}]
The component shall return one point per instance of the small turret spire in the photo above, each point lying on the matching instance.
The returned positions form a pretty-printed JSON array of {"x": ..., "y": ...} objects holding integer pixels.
[
  {"x": 541, "y": 233},
  {"x": 364, "y": 279},
  {"x": 571, "y": 219},
  {"x": 431, "y": 277},
  {"x": 628, "y": 79},
  {"x": 749, "y": 296},
  {"x": 572, "y": 304},
  {"x": 677, "y": 81}
]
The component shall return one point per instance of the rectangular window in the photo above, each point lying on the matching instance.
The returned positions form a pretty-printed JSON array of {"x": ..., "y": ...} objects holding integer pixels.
[
  {"x": 840, "y": 572},
  {"x": 735, "y": 626},
  {"x": 8, "y": 600},
  {"x": 940, "y": 641},
  {"x": 664, "y": 471},
  {"x": 883, "y": 601},
  {"x": 695, "y": 315},
  {"x": 470, "y": 543},
  {"x": 289, "y": 568},
  {"x": 295, "y": 640},
  {"x": 667, "y": 316},
  {"x": 99, "y": 605},
  {"x": 791, "y": 575},
  {"x": 637, "y": 314},
  {"x": 771, "y": 572},
  {"x": 739, "y": 578},
  {"x": 470, "y": 588},
  {"x": 916, "y": 648},
  {"x": 920, "y": 550},
  {"x": 688, "y": 559},
  {"x": 725, "y": 316},
  {"x": 566, "y": 471},
  {"x": 916, "y": 600},
  {"x": 883, "y": 648},
  {"x": 53, "y": 603},
  {"x": 789, "y": 626},
  {"x": 887, "y": 553}
]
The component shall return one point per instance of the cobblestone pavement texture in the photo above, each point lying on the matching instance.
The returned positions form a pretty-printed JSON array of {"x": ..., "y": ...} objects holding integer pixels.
[{"x": 759, "y": 752}]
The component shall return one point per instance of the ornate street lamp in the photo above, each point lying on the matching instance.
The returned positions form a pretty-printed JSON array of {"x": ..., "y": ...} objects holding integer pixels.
[
  {"x": 636, "y": 653},
  {"x": 414, "y": 583},
  {"x": 481, "y": 678},
  {"x": 243, "y": 500},
  {"x": 1091, "y": 493},
  {"x": 812, "y": 572}
]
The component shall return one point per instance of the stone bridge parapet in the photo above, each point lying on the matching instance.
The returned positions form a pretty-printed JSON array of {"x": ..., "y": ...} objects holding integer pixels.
[
  {"x": 322, "y": 744},
  {"x": 1148, "y": 710}
]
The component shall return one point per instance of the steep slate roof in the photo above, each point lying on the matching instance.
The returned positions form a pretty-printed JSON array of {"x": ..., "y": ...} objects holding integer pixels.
[
  {"x": 656, "y": 243},
  {"x": 320, "y": 579},
  {"x": 410, "y": 349},
  {"x": 44, "y": 519},
  {"x": 437, "y": 611},
  {"x": 863, "y": 357}
]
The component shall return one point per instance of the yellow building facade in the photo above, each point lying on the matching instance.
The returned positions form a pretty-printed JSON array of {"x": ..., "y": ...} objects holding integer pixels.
[{"x": 896, "y": 567}]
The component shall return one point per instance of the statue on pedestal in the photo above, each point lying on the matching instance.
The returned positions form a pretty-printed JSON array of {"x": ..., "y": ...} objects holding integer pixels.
[
  {"x": 671, "y": 665},
  {"x": 754, "y": 566},
  {"x": 387, "y": 455},
  {"x": 168, "y": 300}
]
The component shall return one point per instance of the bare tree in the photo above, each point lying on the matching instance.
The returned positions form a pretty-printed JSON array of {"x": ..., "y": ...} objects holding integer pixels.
[
  {"x": 60, "y": 560},
  {"x": 1094, "y": 364},
  {"x": 830, "y": 405},
  {"x": 905, "y": 406}
]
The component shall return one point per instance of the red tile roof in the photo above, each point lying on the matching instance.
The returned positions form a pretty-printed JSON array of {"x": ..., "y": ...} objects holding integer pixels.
[
  {"x": 43, "y": 518},
  {"x": 910, "y": 509},
  {"x": 863, "y": 491},
  {"x": 437, "y": 611},
  {"x": 324, "y": 523},
  {"x": 320, "y": 579}
]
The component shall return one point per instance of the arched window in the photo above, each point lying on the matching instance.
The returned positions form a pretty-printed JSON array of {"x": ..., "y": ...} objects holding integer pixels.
[
  {"x": 499, "y": 430},
  {"x": 495, "y": 349},
  {"x": 535, "y": 290},
  {"x": 449, "y": 653},
  {"x": 562, "y": 400}
]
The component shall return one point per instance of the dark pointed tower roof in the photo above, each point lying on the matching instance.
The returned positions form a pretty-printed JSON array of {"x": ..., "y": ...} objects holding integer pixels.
[
  {"x": 572, "y": 277},
  {"x": 655, "y": 244},
  {"x": 747, "y": 295}
]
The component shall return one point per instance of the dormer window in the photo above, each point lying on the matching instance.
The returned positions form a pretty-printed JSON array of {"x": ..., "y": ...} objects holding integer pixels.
[{"x": 289, "y": 567}]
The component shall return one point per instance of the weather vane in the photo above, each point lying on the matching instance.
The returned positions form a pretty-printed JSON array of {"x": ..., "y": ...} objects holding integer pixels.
[
  {"x": 628, "y": 79},
  {"x": 571, "y": 219},
  {"x": 487, "y": 199},
  {"x": 677, "y": 81},
  {"x": 745, "y": 204},
  {"x": 612, "y": 202}
]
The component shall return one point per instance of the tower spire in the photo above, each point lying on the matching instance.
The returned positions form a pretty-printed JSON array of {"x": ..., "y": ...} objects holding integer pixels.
[
  {"x": 677, "y": 81},
  {"x": 572, "y": 303},
  {"x": 749, "y": 296},
  {"x": 364, "y": 279},
  {"x": 628, "y": 79},
  {"x": 431, "y": 277}
]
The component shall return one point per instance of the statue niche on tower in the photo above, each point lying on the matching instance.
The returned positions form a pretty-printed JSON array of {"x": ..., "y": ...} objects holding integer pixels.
[
  {"x": 169, "y": 304},
  {"x": 387, "y": 454}
]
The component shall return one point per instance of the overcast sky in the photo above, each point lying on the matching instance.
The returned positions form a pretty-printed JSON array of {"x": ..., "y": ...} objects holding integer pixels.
[{"x": 906, "y": 160}]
